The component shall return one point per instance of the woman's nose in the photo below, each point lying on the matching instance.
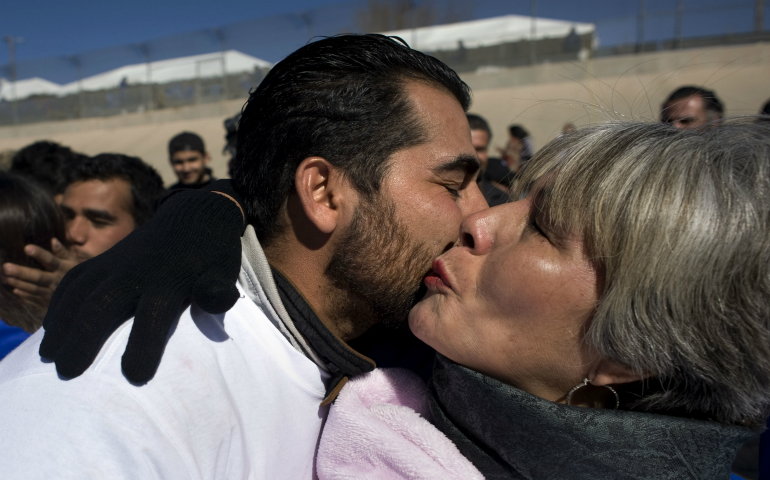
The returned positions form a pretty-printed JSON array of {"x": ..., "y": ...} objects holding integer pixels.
[
  {"x": 476, "y": 232},
  {"x": 481, "y": 231}
]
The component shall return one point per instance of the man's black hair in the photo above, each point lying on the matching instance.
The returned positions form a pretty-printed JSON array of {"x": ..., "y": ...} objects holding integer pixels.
[
  {"x": 186, "y": 141},
  {"x": 340, "y": 98},
  {"x": 518, "y": 131},
  {"x": 710, "y": 101},
  {"x": 477, "y": 122},
  {"x": 46, "y": 163},
  {"x": 765, "y": 112},
  {"x": 146, "y": 184}
]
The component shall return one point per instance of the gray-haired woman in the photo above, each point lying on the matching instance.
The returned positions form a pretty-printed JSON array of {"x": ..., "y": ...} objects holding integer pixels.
[{"x": 633, "y": 278}]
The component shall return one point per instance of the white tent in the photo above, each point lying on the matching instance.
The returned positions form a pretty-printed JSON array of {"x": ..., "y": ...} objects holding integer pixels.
[
  {"x": 28, "y": 87},
  {"x": 163, "y": 71},
  {"x": 488, "y": 32}
]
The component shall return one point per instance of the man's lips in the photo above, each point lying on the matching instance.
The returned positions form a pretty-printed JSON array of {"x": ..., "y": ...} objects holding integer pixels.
[{"x": 437, "y": 278}]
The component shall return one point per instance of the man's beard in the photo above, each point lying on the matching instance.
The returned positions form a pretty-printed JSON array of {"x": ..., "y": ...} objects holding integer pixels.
[{"x": 377, "y": 266}]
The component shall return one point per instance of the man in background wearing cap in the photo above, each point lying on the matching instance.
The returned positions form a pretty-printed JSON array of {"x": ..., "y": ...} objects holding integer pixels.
[
  {"x": 494, "y": 175},
  {"x": 190, "y": 161},
  {"x": 692, "y": 107}
]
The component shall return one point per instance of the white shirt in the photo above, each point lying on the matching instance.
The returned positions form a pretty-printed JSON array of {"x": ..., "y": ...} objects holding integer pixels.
[{"x": 232, "y": 399}]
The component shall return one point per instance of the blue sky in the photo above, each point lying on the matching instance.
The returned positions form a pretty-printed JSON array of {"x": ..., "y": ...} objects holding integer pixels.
[{"x": 58, "y": 28}]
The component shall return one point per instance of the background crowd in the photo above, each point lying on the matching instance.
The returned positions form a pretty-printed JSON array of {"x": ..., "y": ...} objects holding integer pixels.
[
  {"x": 85, "y": 205},
  {"x": 59, "y": 208}
]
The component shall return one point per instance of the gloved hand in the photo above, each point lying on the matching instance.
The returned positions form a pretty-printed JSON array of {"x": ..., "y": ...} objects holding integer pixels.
[{"x": 189, "y": 250}]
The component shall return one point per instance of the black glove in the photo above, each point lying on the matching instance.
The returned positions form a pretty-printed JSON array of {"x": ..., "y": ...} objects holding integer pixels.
[{"x": 189, "y": 250}]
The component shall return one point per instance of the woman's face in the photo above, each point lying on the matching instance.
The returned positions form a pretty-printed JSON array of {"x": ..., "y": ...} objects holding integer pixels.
[{"x": 512, "y": 301}]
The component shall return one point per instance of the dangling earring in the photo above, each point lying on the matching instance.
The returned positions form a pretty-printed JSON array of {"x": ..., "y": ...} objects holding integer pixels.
[{"x": 585, "y": 383}]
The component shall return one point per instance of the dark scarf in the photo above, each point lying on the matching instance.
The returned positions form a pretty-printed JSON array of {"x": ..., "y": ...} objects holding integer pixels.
[
  {"x": 508, "y": 433},
  {"x": 341, "y": 360}
]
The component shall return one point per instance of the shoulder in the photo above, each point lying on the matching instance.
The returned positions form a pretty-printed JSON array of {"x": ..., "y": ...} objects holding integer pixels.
[
  {"x": 226, "y": 388},
  {"x": 87, "y": 423},
  {"x": 375, "y": 426}
]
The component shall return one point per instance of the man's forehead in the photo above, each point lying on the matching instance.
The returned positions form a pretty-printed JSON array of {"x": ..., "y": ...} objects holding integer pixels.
[
  {"x": 479, "y": 136},
  {"x": 691, "y": 102},
  {"x": 186, "y": 154},
  {"x": 93, "y": 193}
]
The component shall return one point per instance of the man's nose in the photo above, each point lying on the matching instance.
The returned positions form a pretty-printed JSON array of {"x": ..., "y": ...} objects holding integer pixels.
[
  {"x": 77, "y": 231},
  {"x": 475, "y": 201}
]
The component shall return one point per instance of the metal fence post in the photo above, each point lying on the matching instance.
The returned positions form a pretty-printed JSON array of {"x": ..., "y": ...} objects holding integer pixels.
[
  {"x": 533, "y": 33},
  {"x": 640, "y": 26},
  {"x": 678, "y": 24},
  {"x": 145, "y": 49},
  {"x": 219, "y": 32},
  {"x": 12, "y": 41},
  {"x": 81, "y": 101}
]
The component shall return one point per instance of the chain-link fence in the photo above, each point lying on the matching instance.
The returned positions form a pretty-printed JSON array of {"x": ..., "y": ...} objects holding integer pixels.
[{"x": 226, "y": 62}]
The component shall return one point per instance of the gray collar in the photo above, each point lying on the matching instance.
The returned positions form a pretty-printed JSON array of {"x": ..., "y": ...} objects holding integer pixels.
[{"x": 257, "y": 279}]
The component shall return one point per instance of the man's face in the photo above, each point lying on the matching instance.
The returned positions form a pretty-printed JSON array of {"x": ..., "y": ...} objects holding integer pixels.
[
  {"x": 190, "y": 166},
  {"x": 389, "y": 247},
  {"x": 97, "y": 214},
  {"x": 480, "y": 141},
  {"x": 687, "y": 113}
]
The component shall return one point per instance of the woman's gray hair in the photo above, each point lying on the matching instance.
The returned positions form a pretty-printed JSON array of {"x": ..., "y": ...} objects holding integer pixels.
[{"x": 678, "y": 225}]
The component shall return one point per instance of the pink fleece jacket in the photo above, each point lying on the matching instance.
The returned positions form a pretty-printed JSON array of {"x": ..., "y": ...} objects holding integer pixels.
[{"x": 377, "y": 429}]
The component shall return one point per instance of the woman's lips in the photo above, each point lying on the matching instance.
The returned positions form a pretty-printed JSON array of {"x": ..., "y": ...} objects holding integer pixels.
[{"x": 438, "y": 279}]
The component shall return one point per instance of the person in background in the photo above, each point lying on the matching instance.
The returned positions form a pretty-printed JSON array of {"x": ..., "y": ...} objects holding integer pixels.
[
  {"x": 519, "y": 149},
  {"x": 28, "y": 216},
  {"x": 567, "y": 128},
  {"x": 692, "y": 107},
  {"x": 764, "y": 114},
  {"x": 190, "y": 160},
  {"x": 106, "y": 198},
  {"x": 46, "y": 163},
  {"x": 231, "y": 140},
  {"x": 6, "y": 157},
  {"x": 494, "y": 173}
]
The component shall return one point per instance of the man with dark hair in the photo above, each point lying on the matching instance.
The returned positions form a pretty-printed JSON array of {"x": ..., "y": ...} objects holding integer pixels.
[
  {"x": 481, "y": 135},
  {"x": 355, "y": 168},
  {"x": 46, "y": 163},
  {"x": 691, "y": 107},
  {"x": 519, "y": 149},
  {"x": 106, "y": 197},
  {"x": 494, "y": 174},
  {"x": 764, "y": 113},
  {"x": 190, "y": 161}
]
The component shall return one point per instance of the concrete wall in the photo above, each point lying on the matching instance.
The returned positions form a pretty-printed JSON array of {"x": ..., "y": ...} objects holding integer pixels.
[
  {"x": 544, "y": 97},
  {"x": 144, "y": 135},
  {"x": 541, "y": 98}
]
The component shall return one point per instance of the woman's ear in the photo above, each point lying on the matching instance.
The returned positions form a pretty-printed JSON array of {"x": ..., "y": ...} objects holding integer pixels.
[
  {"x": 608, "y": 372},
  {"x": 320, "y": 189}
]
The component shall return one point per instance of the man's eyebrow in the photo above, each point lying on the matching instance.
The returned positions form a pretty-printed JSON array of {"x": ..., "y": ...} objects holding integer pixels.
[
  {"x": 67, "y": 210},
  {"x": 99, "y": 214},
  {"x": 464, "y": 163}
]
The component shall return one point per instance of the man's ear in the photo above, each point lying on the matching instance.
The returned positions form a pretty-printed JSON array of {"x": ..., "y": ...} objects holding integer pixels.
[
  {"x": 206, "y": 158},
  {"x": 321, "y": 189},
  {"x": 607, "y": 372}
]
